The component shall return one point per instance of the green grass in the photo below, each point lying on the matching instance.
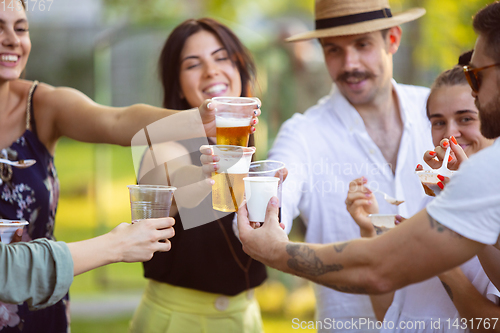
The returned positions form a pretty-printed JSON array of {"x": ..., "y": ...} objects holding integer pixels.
[{"x": 111, "y": 325}]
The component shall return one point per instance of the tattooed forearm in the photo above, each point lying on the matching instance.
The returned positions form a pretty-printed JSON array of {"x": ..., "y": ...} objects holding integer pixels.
[
  {"x": 304, "y": 260},
  {"x": 448, "y": 290},
  {"x": 441, "y": 228},
  {"x": 340, "y": 247}
]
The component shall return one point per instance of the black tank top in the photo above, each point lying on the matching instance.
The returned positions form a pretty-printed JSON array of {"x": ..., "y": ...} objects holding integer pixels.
[{"x": 207, "y": 258}]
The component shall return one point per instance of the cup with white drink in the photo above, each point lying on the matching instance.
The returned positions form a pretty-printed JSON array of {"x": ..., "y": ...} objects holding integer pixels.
[{"x": 264, "y": 181}]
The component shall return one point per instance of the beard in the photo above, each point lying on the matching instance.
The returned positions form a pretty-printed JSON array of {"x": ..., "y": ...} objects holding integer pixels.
[{"x": 489, "y": 115}]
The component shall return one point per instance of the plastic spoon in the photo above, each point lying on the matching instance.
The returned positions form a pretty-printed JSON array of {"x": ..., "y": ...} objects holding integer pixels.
[
  {"x": 22, "y": 164},
  {"x": 388, "y": 198},
  {"x": 443, "y": 170}
]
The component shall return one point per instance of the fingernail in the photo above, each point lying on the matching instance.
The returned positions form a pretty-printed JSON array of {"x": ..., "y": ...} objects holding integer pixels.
[
  {"x": 432, "y": 153},
  {"x": 363, "y": 179},
  {"x": 255, "y": 121},
  {"x": 19, "y": 232},
  {"x": 274, "y": 201},
  {"x": 255, "y": 112},
  {"x": 441, "y": 178},
  {"x": 452, "y": 138},
  {"x": 212, "y": 182},
  {"x": 209, "y": 105},
  {"x": 446, "y": 144},
  {"x": 253, "y": 129},
  {"x": 419, "y": 166},
  {"x": 399, "y": 217},
  {"x": 450, "y": 158},
  {"x": 215, "y": 158},
  {"x": 369, "y": 202},
  {"x": 441, "y": 186},
  {"x": 216, "y": 167},
  {"x": 368, "y": 195}
]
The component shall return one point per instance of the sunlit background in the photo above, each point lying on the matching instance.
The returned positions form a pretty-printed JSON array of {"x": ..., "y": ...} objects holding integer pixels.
[{"x": 108, "y": 49}]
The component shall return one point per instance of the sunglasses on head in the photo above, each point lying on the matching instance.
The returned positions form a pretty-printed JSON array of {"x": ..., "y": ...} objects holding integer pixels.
[{"x": 472, "y": 76}]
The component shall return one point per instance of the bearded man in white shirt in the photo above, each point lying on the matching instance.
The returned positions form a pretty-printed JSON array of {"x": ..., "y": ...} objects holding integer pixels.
[{"x": 368, "y": 125}]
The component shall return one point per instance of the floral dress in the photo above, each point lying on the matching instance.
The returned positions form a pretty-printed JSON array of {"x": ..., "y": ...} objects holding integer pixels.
[{"x": 31, "y": 194}]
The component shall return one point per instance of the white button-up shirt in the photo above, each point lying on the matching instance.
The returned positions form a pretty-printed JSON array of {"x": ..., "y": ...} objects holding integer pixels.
[{"x": 327, "y": 147}]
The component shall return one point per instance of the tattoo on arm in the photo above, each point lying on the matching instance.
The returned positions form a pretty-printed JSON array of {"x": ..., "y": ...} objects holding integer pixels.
[
  {"x": 304, "y": 260},
  {"x": 380, "y": 230},
  {"x": 340, "y": 247},
  {"x": 441, "y": 228},
  {"x": 448, "y": 290}
]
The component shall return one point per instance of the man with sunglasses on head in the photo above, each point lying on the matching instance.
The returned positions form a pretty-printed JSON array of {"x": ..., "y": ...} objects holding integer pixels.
[{"x": 458, "y": 224}]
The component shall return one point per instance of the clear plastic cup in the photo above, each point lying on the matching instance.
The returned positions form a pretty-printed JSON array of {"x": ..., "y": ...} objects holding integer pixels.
[
  {"x": 150, "y": 201},
  {"x": 258, "y": 192},
  {"x": 269, "y": 168},
  {"x": 229, "y": 189},
  {"x": 232, "y": 119},
  {"x": 8, "y": 228}
]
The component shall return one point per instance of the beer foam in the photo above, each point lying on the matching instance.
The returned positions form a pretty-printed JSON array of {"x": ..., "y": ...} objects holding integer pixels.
[{"x": 221, "y": 121}]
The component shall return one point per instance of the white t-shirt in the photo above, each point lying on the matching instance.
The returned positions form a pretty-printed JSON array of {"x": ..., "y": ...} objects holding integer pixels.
[
  {"x": 426, "y": 307},
  {"x": 470, "y": 202}
]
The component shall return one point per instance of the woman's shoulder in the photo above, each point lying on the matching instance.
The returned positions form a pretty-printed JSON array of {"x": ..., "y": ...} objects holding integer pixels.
[
  {"x": 25, "y": 85},
  {"x": 20, "y": 87}
]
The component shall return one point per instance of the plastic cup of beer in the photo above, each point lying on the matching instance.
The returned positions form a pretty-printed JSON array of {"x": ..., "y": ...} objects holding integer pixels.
[
  {"x": 258, "y": 192},
  {"x": 232, "y": 119},
  {"x": 229, "y": 190},
  {"x": 269, "y": 168},
  {"x": 150, "y": 201},
  {"x": 8, "y": 228}
]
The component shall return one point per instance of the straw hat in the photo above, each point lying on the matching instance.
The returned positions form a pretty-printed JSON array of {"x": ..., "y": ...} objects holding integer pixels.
[{"x": 352, "y": 17}]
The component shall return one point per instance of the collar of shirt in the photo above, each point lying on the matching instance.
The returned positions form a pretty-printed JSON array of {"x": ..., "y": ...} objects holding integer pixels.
[{"x": 350, "y": 117}]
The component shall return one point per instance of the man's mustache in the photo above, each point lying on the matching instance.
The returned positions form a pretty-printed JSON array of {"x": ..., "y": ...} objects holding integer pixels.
[{"x": 355, "y": 75}]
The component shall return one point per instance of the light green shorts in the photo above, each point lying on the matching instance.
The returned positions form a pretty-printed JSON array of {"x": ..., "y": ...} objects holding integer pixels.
[{"x": 168, "y": 309}]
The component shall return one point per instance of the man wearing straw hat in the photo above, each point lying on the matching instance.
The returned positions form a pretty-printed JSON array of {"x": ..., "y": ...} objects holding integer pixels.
[{"x": 368, "y": 125}]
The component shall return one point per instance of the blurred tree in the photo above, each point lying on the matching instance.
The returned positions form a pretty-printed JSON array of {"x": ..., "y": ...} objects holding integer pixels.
[
  {"x": 446, "y": 32},
  {"x": 147, "y": 11}
]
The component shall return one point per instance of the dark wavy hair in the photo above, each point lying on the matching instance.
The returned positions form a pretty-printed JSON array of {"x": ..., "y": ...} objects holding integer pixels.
[
  {"x": 487, "y": 23},
  {"x": 169, "y": 62}
]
